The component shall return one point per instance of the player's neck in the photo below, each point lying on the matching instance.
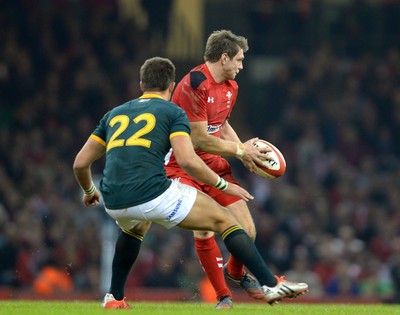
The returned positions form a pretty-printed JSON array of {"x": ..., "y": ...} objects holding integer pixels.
[
  {"x": 216, "y": 71},
  {"x": 163, "y": 94}
]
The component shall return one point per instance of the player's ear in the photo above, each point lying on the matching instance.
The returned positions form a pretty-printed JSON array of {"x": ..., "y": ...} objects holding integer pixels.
[
  {"x": 141, "y": 86},
  {"x": 224, "y": 58}
]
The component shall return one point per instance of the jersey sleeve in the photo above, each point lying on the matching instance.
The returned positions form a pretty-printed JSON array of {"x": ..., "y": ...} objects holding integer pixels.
[
  {"x": 181, "y": 125},
  {"x": 191, "y": 96},
  {"x": 99, "y": 134}
]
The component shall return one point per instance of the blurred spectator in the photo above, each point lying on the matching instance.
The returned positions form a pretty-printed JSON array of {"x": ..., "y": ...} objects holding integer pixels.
[
  {"x": 333, "y": 108},
  {"x": 376, "y": 280},
  {"x": 301, "y": 269},
  {"x": 394, "y": 267},
  {"x": 344, "y": 281},
  {"x": 52, "y": 281},
  {"x": 9, "y": 250}
]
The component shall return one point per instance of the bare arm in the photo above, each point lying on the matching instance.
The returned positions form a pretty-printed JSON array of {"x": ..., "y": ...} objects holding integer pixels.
[
  {"x": 208, "y": 143},
  {"x": 195, "y": 167},
  {"x": 90, "y": 152},
  {"x": 228, "y": 144}
]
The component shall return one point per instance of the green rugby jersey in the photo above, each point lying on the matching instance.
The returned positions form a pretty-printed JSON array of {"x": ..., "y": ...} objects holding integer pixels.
[{"x": 136, "y": 136}]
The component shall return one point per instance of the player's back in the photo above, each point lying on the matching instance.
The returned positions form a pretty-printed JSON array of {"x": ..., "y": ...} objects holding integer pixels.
[{"x": 137, "y": 139}]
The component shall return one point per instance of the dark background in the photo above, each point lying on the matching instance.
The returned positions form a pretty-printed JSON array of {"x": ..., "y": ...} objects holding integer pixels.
[{"x": 320, "y": 81}]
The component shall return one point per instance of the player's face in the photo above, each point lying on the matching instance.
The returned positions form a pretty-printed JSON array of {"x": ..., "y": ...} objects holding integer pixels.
[{"x": 234, "y": 65}]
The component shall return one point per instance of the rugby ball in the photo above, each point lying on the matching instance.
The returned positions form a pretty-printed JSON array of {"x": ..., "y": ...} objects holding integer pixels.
[{"x": 270, "y": 169}]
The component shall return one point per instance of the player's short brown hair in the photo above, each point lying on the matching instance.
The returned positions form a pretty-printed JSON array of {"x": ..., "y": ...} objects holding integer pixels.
[
  {"x": 224, "y": 41},
  {"x": 157, "y": 74}
]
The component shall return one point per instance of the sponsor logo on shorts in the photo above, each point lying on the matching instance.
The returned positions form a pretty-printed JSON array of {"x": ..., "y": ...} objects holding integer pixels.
[{"x": 178, "y": 205}]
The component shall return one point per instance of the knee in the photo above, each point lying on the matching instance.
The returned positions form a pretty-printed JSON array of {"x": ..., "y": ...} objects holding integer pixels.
[
  {"x": 203, "y": 234},
  {"x": 251, "y": 231},
  {"x": 141, "y": 228}
]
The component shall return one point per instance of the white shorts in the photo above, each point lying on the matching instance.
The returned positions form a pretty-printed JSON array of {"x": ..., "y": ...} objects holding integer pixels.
[{"x": 168, "y": 209}]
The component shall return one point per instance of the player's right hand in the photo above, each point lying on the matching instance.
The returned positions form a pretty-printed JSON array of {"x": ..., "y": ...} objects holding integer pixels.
[
  {"x": 238, "y": 191},
  {"x": 92, "y": 200},
  {"x": 252, "y": 154}
]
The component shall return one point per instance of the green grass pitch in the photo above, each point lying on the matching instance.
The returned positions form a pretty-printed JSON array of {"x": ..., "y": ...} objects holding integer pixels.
[{"x": 17, "y": 307}]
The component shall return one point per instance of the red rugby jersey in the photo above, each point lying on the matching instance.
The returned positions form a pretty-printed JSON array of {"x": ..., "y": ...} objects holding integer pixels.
[{"x": 203, "y": 99}]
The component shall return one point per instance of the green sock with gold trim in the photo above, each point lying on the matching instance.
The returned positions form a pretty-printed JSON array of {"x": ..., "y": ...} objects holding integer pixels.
[{"x": 242, "y": 247}]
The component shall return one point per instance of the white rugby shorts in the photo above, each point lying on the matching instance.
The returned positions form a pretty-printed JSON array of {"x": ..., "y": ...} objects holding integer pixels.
[{"x": 168, "y": 209}]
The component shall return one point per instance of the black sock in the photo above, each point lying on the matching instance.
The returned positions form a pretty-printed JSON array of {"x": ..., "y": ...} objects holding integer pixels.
[
  {"x": 126, "y": 251},
  {"x": 241, "y": 247}
]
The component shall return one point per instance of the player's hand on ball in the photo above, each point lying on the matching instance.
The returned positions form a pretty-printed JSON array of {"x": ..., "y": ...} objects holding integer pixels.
[
  {"x": 274, "y": 164},
  {"x": 253, "y": 155}
]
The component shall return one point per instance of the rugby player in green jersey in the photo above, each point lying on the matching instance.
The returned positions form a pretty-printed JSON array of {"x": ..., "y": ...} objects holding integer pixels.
[{"x": 135, "y": 137}]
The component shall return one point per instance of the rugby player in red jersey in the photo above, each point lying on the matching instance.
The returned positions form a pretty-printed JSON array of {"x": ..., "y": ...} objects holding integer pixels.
[{"x": 208, "y": 94}]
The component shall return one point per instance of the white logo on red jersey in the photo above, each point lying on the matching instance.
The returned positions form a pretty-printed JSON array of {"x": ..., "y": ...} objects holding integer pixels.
[
  {"x": 210, "y": 99},
  {"x": 229, "y": 95}
]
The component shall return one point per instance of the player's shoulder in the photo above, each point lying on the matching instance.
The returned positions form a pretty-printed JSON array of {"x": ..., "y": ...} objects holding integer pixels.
[
  {"x": 197, "y": 76},
  {"x": 114, "y": 111},
  {"x": 177, "y": 109},
  {"x": 122, "y": 107},
  {"x": 196, "y": 79}
]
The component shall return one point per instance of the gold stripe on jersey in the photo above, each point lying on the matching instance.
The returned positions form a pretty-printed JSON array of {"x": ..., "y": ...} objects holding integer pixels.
[
  {"x": 133, "y": 234},
  {"x": 231, "y": 229},
  {"x": 178, "y": 133},
  {"x": 97, "y": 139},
  {"x": 150, "y": 95}
]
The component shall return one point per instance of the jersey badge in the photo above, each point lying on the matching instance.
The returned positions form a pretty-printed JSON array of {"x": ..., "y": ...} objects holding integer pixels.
[{"x": 229, "y": 95}]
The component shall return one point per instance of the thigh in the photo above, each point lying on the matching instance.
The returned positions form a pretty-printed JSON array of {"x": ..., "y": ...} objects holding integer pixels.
[
  {"x": 208, "y": 215},
  {"x": 173, "y": 206},
  {"x": 241, "y": 212},
  {"x": 124, "y": 219},
  {"x": 141, "y": 228}
]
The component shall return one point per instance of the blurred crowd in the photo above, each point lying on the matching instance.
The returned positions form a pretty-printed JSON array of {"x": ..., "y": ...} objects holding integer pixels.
[{"x": 333, "y": 220}]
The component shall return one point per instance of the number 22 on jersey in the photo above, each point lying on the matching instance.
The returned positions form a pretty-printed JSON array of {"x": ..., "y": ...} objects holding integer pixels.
[{"x": 136, "y": 138}]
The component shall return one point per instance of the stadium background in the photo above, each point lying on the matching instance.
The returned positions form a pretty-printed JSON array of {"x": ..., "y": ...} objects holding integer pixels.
[{"x": 321, "y": 81}]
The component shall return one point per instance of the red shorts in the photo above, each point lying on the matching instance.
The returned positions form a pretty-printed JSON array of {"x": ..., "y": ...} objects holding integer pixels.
[{"x": 219, "y": 166}]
